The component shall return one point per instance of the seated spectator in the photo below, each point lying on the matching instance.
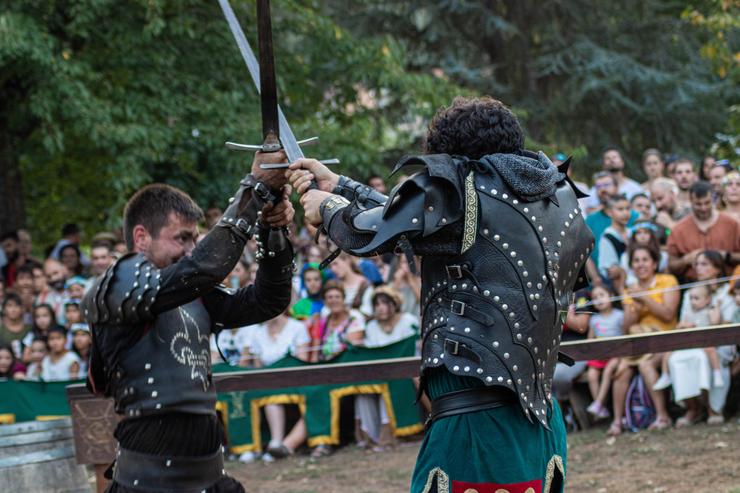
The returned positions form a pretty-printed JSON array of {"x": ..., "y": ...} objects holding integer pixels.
[
  {"x": 13, "y": 257},
  {"x": 607, "y": 322},
  {"x": 706, "y": 166},
  {"x": 269, "y": 342},
  {"x": 653, "y": 166},
  {"x": 43, "y": 319},
  {"x": 704, "y": 229},
  {"x": 37, "y": 353},
  {"x": 76, "y": 287},
  {"x": 643, "y": 233},
  {"x": 71, "y": 257},
  {"x": 40, "y": 285},
  {"x": 664, "y": 194},
  {"x": 72, "y": 313},
  {"x": 101, "y": 257},
  {"x": 10, "y": 367},
  {"x": 684, "y": 176},
  {"x": 613, "y": 241},
  {"x": 81, "y": 344},
  {"x": 24, "y": 289},
  {"x": 12, "y": 328},
  {"x": 60, "y": 363},
  {"x": 690, "y": 369},
  {"x": 408, "y": 286},
  {"x": 389, "y": 325},
  {"x": 641, "y": 204},
  {"x": 730, "y": 201},
  {"x": 647, "y": 313},
  {"x": 71, "y": 235},
  {"x": 357, "y": 288},
  {"x": 330, "y": 333},
  {"x": 312, "y": 281}
]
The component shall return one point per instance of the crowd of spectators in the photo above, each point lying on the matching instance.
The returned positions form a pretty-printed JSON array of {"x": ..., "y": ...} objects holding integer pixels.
[{"x": 680, "y": 226}]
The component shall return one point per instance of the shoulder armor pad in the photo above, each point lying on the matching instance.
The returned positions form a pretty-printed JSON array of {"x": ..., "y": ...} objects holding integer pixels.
[
  {"x": 563, "y": 168},
  {"x": 125, "y": 293}
]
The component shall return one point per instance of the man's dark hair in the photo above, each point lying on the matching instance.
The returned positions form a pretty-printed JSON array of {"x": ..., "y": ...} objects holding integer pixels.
[
  {"x": 12, "y": 297},
  {"x": 373, "y": 176},
  {"x": 151, "y": 207},
  {"x": 700, "y": 189},
  {"x": 611, "y": 148},
  {"x": 70, "y": 229},
  {"x": 9, "y": 235},
  {"x": 605, "y": 174},
  {"x": 26, "y": 269},
  {"x": 612, "y": 200},
  {"x": 638, "y": 196},
  {"x": 474, "y": 127}
]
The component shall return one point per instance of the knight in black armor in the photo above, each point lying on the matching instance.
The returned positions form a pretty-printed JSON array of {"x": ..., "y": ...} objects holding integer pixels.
[
  {"x": 503, "y": 245},
  {"x": 152, "y": 314}
]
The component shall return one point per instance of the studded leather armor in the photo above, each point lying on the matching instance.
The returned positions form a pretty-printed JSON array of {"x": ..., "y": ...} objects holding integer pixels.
[
  {"x": 497, "y": 270},
  {"x": 151, "y": 327}
]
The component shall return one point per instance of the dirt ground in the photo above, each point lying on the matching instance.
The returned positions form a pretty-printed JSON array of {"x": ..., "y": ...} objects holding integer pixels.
[{"x": 696, "y": 459}]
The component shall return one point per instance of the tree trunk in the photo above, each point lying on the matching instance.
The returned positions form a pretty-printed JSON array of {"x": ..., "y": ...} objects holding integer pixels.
[{"x": 12, "y": 210}]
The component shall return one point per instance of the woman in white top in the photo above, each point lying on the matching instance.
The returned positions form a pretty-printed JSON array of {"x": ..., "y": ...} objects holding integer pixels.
[
  {"x": 268, "y": 343},
  {"x": 390, "y": 325}
]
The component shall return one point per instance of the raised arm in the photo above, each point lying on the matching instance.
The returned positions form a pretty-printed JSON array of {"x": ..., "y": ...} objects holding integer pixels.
[{"x": 425, "y": 204}]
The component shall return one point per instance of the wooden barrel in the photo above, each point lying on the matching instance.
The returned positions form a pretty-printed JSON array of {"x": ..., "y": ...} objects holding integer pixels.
[{"x": 40, "y": 456}]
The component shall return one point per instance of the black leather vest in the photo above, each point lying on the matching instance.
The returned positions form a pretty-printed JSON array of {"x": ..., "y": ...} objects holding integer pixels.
[
  {"x": 495, "y": 311},
  {"x": 169, "y": 368}
]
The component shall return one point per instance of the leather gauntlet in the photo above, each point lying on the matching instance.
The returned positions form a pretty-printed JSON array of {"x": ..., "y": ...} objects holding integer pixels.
[{"x": 245, "y": 207}]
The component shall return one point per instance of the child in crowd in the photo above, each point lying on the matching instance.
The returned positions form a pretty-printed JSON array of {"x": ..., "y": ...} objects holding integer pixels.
[
  {"x": 60, "y": 363},
  {"x": 613, "y": 242},
  {"x": 702, "y": 313},
  {"x": 313, "y": 283},
  {"x": 44, "y": 318},
  {"x": 72, "y": 313},
  {"x": 76, "y": 287},
  {"x": 10, "y": 367},
  {"x": 81, "y": 343},
  {"x": 36, "y": 356},
  {"x": 607, "y": 322}
]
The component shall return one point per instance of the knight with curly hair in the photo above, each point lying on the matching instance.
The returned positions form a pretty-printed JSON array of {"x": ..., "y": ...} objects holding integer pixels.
[{"x": 503, "y": 245}]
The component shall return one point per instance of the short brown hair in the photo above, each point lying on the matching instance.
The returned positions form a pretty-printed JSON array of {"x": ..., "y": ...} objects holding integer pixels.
[
  {"x": 335, "y": 285},
  {"x": 152, "y": 205}
]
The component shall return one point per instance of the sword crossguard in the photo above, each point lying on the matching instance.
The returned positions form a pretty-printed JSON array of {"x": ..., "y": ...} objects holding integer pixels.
[{"x": 262, "y": 147}]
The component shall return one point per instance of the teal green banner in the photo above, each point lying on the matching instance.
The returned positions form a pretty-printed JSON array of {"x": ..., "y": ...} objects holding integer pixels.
[{"x": 319, "y": 404}]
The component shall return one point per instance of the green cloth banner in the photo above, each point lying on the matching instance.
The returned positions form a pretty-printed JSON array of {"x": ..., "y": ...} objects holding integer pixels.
[{"x": 319, "y": 404}]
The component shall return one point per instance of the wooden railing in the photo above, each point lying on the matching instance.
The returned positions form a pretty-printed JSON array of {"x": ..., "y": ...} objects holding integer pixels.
[{"x": 94, "y": 421}]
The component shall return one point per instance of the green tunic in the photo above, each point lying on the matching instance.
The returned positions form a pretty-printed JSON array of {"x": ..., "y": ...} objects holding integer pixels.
[{"x": 489, "y": 451}]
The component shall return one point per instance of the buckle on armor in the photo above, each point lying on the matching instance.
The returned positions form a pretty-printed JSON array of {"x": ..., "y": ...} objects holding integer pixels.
[
  {"x": 457, "y": 307},
  {"x": 454, "y": 271},
  {"x": 452, "y": 347}
]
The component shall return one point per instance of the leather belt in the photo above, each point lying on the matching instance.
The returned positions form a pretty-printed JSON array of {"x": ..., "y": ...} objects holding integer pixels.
[
  {"x": 158, "y": 473},
  {"x": 470, "y": 400}
]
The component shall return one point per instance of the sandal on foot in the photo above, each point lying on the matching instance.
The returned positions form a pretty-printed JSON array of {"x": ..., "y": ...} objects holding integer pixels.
[
  {"x": 660, "y": 424},
  {"x": 685, "y": 421},
  {"x": 615, "y": 429}
]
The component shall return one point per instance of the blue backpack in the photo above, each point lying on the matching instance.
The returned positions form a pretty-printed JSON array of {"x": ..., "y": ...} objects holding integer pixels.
[{"x": 639, "y": 411}]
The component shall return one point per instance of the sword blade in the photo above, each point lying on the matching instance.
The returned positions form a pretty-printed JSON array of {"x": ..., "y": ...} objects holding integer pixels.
[
  {"x": 287, "y": 138},
  {"x": 268, "y": 84}
]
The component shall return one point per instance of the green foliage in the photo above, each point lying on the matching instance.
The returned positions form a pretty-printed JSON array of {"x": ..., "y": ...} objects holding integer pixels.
[
  {"x": 103, "y": 96},
  {"x": 581, "y": 74}
]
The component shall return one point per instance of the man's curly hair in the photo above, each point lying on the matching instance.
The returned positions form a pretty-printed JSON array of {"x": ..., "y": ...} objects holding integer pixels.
[{"x": 474, "y": 127}]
